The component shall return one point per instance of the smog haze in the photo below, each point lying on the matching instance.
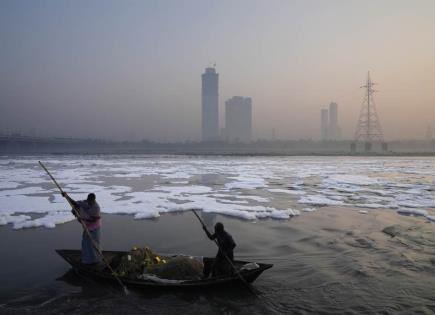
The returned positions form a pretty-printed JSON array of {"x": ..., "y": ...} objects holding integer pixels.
[{"x": 132, "y": 69}]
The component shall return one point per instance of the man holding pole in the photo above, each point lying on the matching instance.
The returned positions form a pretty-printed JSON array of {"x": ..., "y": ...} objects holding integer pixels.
[
  {"x": 89, "y": 214},
  {"x": 223, "y": 263}
]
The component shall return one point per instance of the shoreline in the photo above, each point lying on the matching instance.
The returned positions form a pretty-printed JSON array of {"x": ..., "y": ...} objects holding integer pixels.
[{"x": 222, "y": 154}]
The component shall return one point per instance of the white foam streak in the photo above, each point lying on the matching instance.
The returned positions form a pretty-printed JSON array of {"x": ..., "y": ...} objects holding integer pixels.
[{"x": 243, "y": 187}]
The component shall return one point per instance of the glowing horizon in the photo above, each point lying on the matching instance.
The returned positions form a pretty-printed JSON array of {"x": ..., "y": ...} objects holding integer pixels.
[{"x": 132, "y": 70}]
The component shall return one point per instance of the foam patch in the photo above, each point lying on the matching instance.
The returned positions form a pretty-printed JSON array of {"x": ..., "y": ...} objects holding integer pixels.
[{"x": 248, "y": 188}]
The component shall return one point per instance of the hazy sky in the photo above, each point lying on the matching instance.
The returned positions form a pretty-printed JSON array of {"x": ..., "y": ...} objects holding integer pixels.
[{"x": 132, "y": 69}]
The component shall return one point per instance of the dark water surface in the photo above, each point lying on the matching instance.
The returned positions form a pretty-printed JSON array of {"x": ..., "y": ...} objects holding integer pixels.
[{"x": 333, "y": 261}]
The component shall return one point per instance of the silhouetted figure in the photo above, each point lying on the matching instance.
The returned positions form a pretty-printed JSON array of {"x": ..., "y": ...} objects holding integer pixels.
[
  {"x": 89, "y": 214},
  {"x": 223, "y": 262}
]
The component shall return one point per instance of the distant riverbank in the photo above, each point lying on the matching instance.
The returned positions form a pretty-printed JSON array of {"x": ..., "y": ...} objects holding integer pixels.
[
  {"x": 35, "y": 145},
  {"x": 235, "y": 153}
]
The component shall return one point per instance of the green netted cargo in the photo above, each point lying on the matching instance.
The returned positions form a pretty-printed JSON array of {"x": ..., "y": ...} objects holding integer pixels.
[
  {"x": 142, "y": 261},
  {"x": 136, "y": 262},
  {"x": 178, "y": 268}
]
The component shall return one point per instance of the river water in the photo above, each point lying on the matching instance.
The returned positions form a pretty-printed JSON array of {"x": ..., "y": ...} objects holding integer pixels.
[{"x": 318, "y": 220}]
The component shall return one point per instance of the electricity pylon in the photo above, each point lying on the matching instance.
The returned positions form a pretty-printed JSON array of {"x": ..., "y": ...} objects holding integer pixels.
[{"x": 368, "y": 128}]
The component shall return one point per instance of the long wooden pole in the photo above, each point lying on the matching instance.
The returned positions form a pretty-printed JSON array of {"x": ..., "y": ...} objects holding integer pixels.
[{"x": 85, "y": 228}]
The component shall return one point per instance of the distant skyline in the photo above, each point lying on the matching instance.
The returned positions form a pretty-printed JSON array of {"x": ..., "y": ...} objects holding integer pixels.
[{"x": 131, "y": 69}]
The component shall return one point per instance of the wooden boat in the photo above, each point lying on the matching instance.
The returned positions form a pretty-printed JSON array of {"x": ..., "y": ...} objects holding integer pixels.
[{"x": 73, "y": 257}]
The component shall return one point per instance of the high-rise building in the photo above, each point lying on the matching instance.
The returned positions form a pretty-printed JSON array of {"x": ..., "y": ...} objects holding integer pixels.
[
  {"x": 238, "y": 119},
  {"x": 333, "y": 122},
  {"x": 210, "y": 105},
  {"x": 324, "y": 122}
]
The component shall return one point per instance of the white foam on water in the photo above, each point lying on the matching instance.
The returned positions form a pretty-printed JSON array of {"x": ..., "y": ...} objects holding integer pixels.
[
  {"x": 28, "y": 204},
  {"x": 13, "y": 219},
  {"x": 286, "y": 191},
  {"x": 254, "y": 198},
  {"x": 416, "y": 212},
  {"x": 336, "y": 197},
  {"x": 243, "y": 197},
  {"x": 320, "y": 201},
  {"x": 151, "y": 204},
  {"x": 237, "y": 202},
  {"x": 49, "y": 221},
  {"x": 32, "y": 190},
  {"x": 175, "y": 175},
  {"x": 183, "y": 190},
  {"x": 246, "y": 182},
  {"x": 147, "y": 215},
  {"x": 278, "y": 214},
  {"x": 378, "y": 192},
  {"x": 417, "y": 202},
  {"x": 371, "y": 205},
  {"x": 384, "y": 183},
  {"x": 360, "y": 180}
]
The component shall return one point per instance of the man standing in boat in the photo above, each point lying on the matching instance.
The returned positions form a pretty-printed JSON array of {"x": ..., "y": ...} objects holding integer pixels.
[
  {"x": 89, "y": 214},
  {"x": 223, "y": 263}
]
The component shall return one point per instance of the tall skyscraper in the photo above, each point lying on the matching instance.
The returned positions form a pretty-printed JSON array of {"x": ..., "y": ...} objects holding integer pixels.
[
  {"x": 333, "y": 121},
  {"x": 324, "y": 122},
  {"x": 238, "y": 119},
  {"x": 210, "y": 105}
]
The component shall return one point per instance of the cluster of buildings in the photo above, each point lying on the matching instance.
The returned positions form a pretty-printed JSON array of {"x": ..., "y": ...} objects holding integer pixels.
[
  {"x": 238, "y": 113},
  {"x": 329, "y": 129}
]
